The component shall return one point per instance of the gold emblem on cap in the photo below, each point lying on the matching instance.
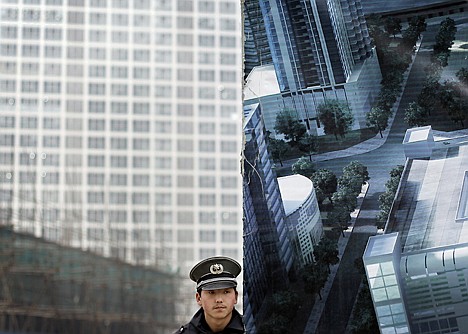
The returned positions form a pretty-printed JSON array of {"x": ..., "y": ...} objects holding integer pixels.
[{"x": 216, "y": 268}]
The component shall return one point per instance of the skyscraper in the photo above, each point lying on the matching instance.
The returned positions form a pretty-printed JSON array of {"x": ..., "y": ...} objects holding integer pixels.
[
  {"x": 121, "y": 127},
  {"x": 320, "y": 50},
  {"x": 268, "y": 251}
]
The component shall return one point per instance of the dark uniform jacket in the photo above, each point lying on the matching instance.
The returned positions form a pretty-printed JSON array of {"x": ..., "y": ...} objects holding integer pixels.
[{"x": 198, "y": 325}]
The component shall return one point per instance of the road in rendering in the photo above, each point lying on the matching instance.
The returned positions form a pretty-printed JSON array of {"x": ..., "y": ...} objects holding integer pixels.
[{"x": 379, "y": 163}]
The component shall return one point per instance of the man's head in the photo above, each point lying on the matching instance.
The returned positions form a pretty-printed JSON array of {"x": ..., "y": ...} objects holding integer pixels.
[
  {"x": 216, "y": 272},
  {"x": 216, "y": 289}
]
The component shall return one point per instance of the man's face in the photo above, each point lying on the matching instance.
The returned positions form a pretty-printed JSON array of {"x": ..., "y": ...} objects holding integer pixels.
[{"x": 217, "y": 304}]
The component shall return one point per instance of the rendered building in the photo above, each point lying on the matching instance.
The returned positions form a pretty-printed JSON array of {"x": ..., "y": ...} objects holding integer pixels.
[
  {"x": 320, "y": 50},
  {"x": 120, "y": 128},
  {"x": 418, "y": 269},
  {"x": 302, "y": 215},
  {"x": 269, "y": 258}
]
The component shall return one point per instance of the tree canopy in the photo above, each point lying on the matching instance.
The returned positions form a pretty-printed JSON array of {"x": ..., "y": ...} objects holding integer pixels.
[
  {"x": 325, "y": 181},
  {"x": 278, "y": 149},
  {"x": 377, "y": 119},
  {"x": 288, "y": 125},
  {"x": 336, "y": 117},
  {"x": 304, "y": 167}
]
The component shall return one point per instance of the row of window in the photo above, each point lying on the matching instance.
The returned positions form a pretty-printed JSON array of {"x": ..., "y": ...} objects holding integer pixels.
[
  {"x": 99, "y": 89},
  {"x": 55, "y": 51},
  {"x": 120, "y": 54},
  {"x": 99, "y": 216},
  {"x": 183, "y": 163},
  {"x": 137, "y": 108},
  {"x": 116, "y": 125},
  {"x": 205, "y": 6},
  {"x": 122, "y": 72},
  {"x": 139, "y": 20}
]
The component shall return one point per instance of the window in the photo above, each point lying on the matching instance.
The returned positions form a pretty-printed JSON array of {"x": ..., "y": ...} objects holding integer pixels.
[
  {"x": 96, "y": 107},
  {"x": 229, "y": 200},
  {"x": 163, "y": 199},
  {"x": 163, "y": 163},
  {"x": 119, "y": 143},
  {"x": 118, "y": 198},
  {"x": 75, "y": 35},
  {"x": 206, "y": 75},
  {"x": 96, "y": 124},
  {"x": 96, "y": 143},
  {"x": 140, "y": 198},
  {"x": 97, "y": 35},
  {"x": 95, "y": 179},
  {"x": 96, "y": 161},
  {"x": 51, "y": 141},
  {"x": 96, "y": 71},
  {"x": 206, "y": 40},
  {"x": 227, "y": 58},
  {"x": 141, "y": 20},
  {"x": 29, "y": 122},
  {"x": 31, "y": 33},
  {"x": 141, "y": 162},
  {"x": 118, "y": 179},
  {"x": 52, "y": 87},
  {"x": 119, "y": 72},
  {"x": 118, "y": 161},
  {"x": 117, "y": 216},
  {"x": 51, "y": 123},
  {"x": 141, "y": 55},
  {"x": 97, "y": 18},
  {"x": 95, "y": 197},
  {"x": 96, "y": 89},
  {"x": 119, "y": 125},
  {"x": 119, "y": 37},
  {"x": 207, "y": 200},
  {"x": 141, "y": 144},
  {"x": 207, "y": 181},
  {"x": 207, "y": 236},
  {"x": 141, "y": 180},
  {"x": 140, "y": 108},
  {"x": 28, "y": 140}
]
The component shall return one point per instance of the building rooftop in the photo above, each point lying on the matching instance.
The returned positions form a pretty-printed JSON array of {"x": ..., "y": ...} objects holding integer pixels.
[
  {"x": 430, "y": 206},
  {"x": 261, "y": 82},
  {"x": 295, "y": 190}
]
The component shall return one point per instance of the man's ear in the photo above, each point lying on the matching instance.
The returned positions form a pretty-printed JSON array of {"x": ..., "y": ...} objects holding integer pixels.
[
  {"x": 198, "y": 298},
  {"x": 237, "y": 295}
]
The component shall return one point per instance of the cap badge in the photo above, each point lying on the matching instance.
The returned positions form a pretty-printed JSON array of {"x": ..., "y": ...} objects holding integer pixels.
[{"x": 216, "y": 268}]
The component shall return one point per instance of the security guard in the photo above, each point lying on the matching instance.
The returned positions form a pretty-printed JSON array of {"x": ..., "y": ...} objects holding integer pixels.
[{"x": 216, "y": 295}]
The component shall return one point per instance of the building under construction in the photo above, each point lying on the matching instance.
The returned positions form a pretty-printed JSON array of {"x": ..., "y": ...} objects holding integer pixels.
[{"x": 48, "y": 288}]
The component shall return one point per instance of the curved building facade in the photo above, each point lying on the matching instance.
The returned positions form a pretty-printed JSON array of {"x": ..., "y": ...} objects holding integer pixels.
[{"x": 302, "y": 215}]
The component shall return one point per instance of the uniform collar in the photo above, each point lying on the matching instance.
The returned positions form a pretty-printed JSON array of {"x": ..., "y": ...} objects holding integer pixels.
[{"x": 234, "y": 326}]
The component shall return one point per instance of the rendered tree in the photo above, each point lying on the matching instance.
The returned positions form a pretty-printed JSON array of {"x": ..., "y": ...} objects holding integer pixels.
[
  {"x": 377, "y": 119},
  {"x": 340, "y": 217},
  {"x": 415, "y": 115},
  {"x": 314, "y": 277},
  {"x": 358, "y": 169},
  {"x": 336, "y": 117},
  {"x": 325, "y": 181},
  {"x": 304, "y": 167},
  {"x": 309, "y": 145},
  {"x": 290, "y": 127},
  {"x": 345, "y": 198},
  {"x": 278, "y": 149},
  {"x": 326, "y": 251},
  {"x": 393, "y": 25}
]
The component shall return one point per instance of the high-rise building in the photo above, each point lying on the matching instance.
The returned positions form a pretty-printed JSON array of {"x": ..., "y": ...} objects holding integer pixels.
[
  {"x": 418, "y": 269},
  {"x": 121, "y": 128},
  {"x": 320, "y": 50},
  {"x": 269, "y": 256}
]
